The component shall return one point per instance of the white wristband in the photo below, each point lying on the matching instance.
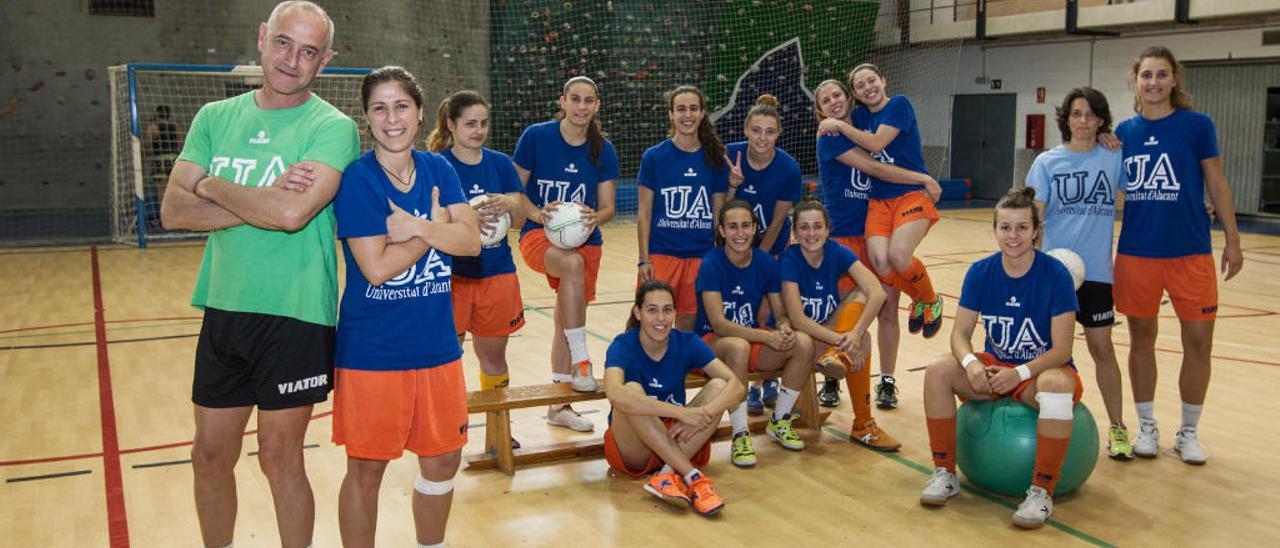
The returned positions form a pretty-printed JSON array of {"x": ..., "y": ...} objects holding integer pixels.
[
  {"x": 968, "y": 359},
  {"x": 1024, "y": 372}
]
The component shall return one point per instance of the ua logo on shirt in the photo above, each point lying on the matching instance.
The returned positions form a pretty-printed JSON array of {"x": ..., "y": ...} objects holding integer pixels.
[
  {"x": 1025, "y": 344},
  {"x": 678, "y": 204},
  {"x": 555, "y": 191},
  {"x": 1145, "y": 175},
  {"x": 1071, "y": 189}
]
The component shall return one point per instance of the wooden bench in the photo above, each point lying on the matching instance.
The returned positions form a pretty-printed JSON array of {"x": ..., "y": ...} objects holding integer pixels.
[{"x": 497, "y": 406}]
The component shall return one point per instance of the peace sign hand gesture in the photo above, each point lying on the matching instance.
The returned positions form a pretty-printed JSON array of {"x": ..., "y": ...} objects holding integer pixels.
[{"x": 735, "y": 170}]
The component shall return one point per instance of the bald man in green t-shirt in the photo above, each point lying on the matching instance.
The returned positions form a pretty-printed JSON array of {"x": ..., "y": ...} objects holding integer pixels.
[{"x": 258, "y": 172}]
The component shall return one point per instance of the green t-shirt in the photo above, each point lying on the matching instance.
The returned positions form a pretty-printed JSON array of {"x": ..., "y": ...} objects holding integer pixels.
[{"x": 249, "y": 269}]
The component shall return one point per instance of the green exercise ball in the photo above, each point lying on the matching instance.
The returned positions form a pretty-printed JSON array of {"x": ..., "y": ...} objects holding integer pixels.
[{"x": 996, "y": 446}]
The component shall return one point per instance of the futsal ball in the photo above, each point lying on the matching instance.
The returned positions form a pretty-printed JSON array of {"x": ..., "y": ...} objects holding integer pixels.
[
  {"x": 996, "y": 446},
  {"x": 494, "y": 234},
  {"x": 1073, "y": 262},
  {"x": 565, "y": 228}
]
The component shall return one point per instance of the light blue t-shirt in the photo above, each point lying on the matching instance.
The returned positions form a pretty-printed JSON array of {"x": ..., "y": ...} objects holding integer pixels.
[
  {"x": 1079, "y": 195},
  {"x": 683, "y": 184}
]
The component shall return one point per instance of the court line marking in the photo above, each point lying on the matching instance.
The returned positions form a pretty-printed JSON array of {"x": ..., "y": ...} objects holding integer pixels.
[
  {"x": 47, "y": 476},
  {"x": 925, "y": 471},
  {"x": 117, "y": 519}
]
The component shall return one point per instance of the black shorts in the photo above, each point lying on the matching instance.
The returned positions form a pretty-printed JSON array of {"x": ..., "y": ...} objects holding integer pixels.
[
  {"x": 1097, "y": 308},
  {"x": 273, "y": 362}
]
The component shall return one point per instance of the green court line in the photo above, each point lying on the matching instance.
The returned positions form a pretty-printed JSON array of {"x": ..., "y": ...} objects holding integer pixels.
[
  {"x": 542, "y": 312},
  {"x": 925, "y": 470},
  {"x": 90, "y": 330}
]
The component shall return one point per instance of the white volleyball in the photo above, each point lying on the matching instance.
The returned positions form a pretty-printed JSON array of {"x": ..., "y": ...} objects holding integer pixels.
[
  {"x": 494, "y": 234},
  {"x": 565, "y": 228},
  {"x": 1073, "y": 262}
]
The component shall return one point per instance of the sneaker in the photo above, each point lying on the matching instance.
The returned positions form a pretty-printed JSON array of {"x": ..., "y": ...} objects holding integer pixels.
[
  {"x": 1188, "y": 447},
  {"x": 742, "y": 454},
  {"x": 887, "y": 393},
  {"x": 755, "y": 406},
  {"x": 1035, "y": 509},
  {"x": 915, "y": 318},
  {"x": 566, "y": 417},
  {"x": 932, "y": 318},
  {"x": 829, "y": 396},
  {"x": 782, "y": 432},
  {"x": 1118, "y": 446},
  {"x": 669, "y": 487},
  {"x": 583, "y": 381},
  {"x": 942, "y": 486},
  {"x": 870, "y": 435},
  {"x": 834, "y": 363},
  {"x": 770, "y": 395},
  {"x": 703, "y": 495},
  {"x": 1147, "y": 445}
]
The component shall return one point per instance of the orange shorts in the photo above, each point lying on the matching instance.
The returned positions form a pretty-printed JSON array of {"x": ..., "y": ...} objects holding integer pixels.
[
  {"x": 533, "y": 247},
  {"x": 1192, "y": 283},
  {"x": 487, "y": 307},
  {"x": 885, "y": 216},
  {"x": 377, "y": 415},
  {"x": 988, "y": 359},
  {"x": 680, "y": 274},
  {"x": 755, "y": 351},
  {"x": 858, "y": 245},
  {"x": 611, "y": 455}
]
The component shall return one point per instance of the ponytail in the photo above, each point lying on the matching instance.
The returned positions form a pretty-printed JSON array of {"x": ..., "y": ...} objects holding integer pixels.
[
  {"x": 712, "y": 147},
  {"x": 450, "y": 110}
]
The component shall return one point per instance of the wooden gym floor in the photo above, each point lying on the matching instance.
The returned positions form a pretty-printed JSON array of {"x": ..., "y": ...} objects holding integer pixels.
[{"x": 96, "y": 348}]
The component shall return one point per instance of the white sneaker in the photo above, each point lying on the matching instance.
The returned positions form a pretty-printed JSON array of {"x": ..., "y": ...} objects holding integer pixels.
[
  {"x": 1035, "y": 510},
  {"x": 1188, "y": 447},
  {"x": 583, "y": 380},
  {"x": 1147, "y": 444},
  {"x": 566, "y": 417},
  {"x": 942, "y": 486}
]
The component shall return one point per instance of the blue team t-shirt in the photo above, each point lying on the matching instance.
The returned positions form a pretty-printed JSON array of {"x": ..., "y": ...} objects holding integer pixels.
[
  {"x": 493, "y": 175},
  {"x": 1079, "y": 194},
  {"x": 407, "y": 322},
  {"x": 763, "y": 189},
  {"x": 904, "y": 151},
  {"x": 663, "y": 380},
  {"x": 742, "y": 289},
  {"x": 819, "y": 287},
  {"x": 845, "y": 191},
  {"x": 562, "y": 172},
  {"x": 1017, "y": 313},
  {"x": 682, "y": 183},
  {"x": 1164, "y": 213}
]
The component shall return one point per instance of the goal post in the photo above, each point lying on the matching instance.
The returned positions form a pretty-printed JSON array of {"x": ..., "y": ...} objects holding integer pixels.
[{"x": 152, "y": 106}]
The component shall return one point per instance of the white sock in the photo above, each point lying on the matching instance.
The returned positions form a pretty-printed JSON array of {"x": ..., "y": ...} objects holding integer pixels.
[
  {"x": 666, "y": 468},
  {"x": 688, "y": 478},
  {"x": 561, "y": 377},
  {"x": 1191, "y": 414},
  {"x": 738, "y": 417},
  {"x": 577, "y": 338},
  {"x": 1146, "y": 410},
  {"x": 439, "y": 545},
  {"x": 786, "y": 401},
  {"x": 756, "y": 385}
]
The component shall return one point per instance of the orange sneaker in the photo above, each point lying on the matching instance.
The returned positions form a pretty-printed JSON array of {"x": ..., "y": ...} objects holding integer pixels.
[
  {"x": 834, "y": 363},
  {"x": 703, "y": 495},
  {"x": 869, "y": 435},
  {"x": 669, "y": 487}
]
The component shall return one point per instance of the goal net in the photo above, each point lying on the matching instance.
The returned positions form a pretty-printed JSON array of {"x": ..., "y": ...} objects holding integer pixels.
[{"x": 519, "y": 53}]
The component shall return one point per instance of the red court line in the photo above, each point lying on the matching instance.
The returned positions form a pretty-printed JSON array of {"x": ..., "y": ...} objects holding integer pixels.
[
  {"x": 144, "y": 449},
  {"x": 117, "y": 521},
  {"x": 82, "y": 324}
]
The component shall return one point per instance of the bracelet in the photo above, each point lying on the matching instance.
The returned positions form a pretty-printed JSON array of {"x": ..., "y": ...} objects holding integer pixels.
[
  {"x": 968, "y": 359},
  {"x": 1024, "y": 372},
  {"x": 643, "y": 262}
]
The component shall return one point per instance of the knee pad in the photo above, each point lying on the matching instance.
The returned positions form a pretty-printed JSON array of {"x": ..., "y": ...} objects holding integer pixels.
[
  {"x": 1055, "y": 405},
  {"x": 432, "y": 488}
]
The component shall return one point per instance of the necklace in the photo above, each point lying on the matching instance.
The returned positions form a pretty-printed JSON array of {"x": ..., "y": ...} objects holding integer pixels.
[{"x": 413, "y": 170}]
